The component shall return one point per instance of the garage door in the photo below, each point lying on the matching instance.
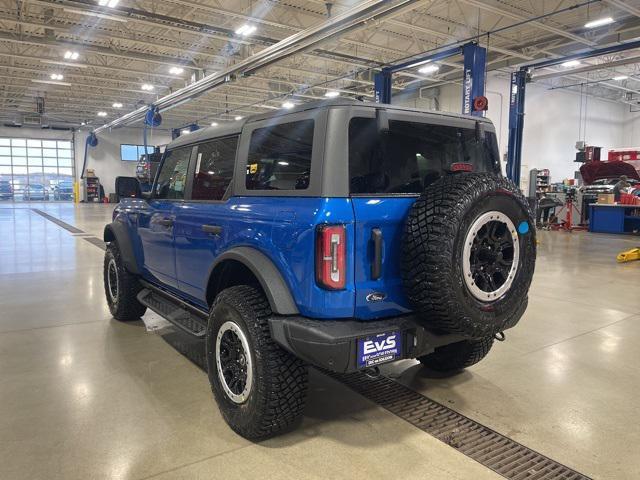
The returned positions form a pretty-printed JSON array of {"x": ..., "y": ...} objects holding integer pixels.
[{"x": 36, "y": 170}]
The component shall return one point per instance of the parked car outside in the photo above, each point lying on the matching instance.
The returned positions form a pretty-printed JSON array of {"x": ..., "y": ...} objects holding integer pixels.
[
  {"x": 63, "y": 190},
  {"x": 6, "y": 190},
  {"x": 35, "y": 191}
]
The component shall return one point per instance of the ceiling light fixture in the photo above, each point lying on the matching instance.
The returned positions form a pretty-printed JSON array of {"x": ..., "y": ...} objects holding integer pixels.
[
  {"x": 57, "y": 76},
  {"x": 620, "y": 78},
  {"x": 69, "y": 55},
  {"x": 117, "y": 105},
  {"x": 102, "y": 114},
  {"x": 238, "y": 118},
  {"x": 601, "y": 22},
  {"x": 147, "y": 87},
  {"x": 246, "y": 30},
  {"x": 214, "y": 124},
  {"x": 185, "y": 132},
  {"x": 571, "y": 63},
  {"x": 108, "y": 3},
  {"x": 288, "y": 105},
  {"x": 332, "y": 94},
  {"x": 176, "y": 70},
  {"x": 428, "y": 69}
]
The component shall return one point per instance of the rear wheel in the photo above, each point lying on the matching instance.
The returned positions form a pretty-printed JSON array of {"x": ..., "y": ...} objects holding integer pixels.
[
  {"x": 121, "y": 287},
  {"x": 456, "y": 356},
  {"x": 259, "y": 387}
]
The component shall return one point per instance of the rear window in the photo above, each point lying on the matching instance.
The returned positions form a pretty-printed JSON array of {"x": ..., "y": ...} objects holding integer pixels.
[
  {"x": 413, "y": 155},
  {"x": 280, "y": 157}
]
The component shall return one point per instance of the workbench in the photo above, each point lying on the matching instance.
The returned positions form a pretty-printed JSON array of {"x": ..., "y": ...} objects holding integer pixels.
[{"x": 614, "y": 218}]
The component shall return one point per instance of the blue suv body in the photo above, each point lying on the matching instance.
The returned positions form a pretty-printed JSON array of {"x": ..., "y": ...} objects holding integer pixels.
[{"x": 309, "y": 208}]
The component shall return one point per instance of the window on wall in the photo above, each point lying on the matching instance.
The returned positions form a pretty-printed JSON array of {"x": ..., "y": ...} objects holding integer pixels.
[
  {"x": 36, "y": 169},
  {"x": 132, "y": 153}
]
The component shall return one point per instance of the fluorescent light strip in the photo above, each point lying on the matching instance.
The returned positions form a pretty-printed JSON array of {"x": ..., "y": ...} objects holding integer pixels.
[
  {"x": 601, "y": 22},
  {"x": 52, "y": 82}
]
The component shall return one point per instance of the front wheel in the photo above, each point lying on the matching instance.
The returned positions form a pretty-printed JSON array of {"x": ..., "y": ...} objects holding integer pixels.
[
  {"x": 121, "y": 287},
  {"x": 456, "y": 356},
  {"x": 259, "y": 388}
]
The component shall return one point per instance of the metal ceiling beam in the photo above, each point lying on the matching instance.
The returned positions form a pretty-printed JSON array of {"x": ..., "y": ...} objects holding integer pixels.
[
  {"x": 589, "y": 68},
  {"x": 540, "y": 25},
  {"x": 354, "y": 17},
  {"x": 624, "y": 6}
]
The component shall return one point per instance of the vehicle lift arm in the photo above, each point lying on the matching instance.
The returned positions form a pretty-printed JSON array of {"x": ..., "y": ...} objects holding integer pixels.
[{"x": 473, "y": 88}]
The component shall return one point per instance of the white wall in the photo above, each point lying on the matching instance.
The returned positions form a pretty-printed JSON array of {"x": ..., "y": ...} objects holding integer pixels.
[
  {"x": 552, "y": 123},
  {"x": 105, "y": 158}
]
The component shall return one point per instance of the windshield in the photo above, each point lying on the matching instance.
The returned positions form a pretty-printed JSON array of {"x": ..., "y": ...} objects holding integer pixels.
[{"x": 413, "y": 155}]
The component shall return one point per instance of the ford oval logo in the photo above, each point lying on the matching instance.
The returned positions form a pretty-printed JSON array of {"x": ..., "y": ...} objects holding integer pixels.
[{"x": 376, "y": 297}]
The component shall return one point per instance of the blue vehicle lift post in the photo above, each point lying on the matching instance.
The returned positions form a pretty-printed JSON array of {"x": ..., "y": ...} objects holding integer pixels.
[
  {"x": 475, "y": 58},
  {"x": 519, "y": 81}
]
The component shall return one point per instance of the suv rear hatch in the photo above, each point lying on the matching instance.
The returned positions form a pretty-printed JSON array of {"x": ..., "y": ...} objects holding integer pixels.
[{"x": 390, "y": 164}]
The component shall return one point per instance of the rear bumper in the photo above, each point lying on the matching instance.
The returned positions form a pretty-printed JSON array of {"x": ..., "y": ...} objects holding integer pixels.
[{"x": 333, "y": 344}]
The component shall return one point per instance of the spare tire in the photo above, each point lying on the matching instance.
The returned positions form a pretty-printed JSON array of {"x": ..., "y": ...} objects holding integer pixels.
[{"x": 469, "y": 254}]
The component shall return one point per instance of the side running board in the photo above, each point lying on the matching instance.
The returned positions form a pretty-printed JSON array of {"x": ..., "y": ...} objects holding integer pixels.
[{"x": 184, "y": 316}]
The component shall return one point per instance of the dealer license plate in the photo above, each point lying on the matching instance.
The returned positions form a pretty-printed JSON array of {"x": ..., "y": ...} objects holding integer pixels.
[{"x": 377, "y": 349}]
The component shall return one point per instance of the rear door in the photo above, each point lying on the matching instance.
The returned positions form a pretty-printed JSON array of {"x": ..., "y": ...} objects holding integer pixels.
[
  {"x": 156, "y": 221},
  {"x": 202, "y": 222},
  {"x": 387, "y": 174}
]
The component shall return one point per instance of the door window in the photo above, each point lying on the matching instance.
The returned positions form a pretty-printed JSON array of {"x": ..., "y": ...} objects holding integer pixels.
[
  {"x": 280, "y": 157},
  {"x": 214, "y": 168},
  {"x": 172, "y": 178}
]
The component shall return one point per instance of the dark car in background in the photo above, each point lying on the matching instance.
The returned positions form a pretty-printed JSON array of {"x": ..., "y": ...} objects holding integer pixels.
[
  {"x": 146, "y": 169},
  {"x": 6, "y": 190},
  {"x": 35, "y": 191},
  {"x": 63, "y": 190}
]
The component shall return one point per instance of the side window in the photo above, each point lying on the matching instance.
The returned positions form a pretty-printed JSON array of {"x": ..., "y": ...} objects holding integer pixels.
[
  {"x": 280, "y": 157},
  {"x": 172, "y": 178},
  {"x": 214, "y": 168}
]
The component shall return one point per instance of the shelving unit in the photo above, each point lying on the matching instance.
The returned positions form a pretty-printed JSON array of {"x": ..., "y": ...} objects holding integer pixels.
[
  {"x": 543, "y": 181},
  {"x": 92, "y": 189}
]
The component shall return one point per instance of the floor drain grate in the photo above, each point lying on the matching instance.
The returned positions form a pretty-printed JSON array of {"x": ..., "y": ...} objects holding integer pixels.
[
  {"x": 60, "y": 223},
  {"x": 97, "y": 242},
  {"x": 493, "y": 450}
]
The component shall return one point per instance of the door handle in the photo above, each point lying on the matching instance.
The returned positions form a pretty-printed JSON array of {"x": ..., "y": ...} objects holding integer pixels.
[
  {"x": 166, "y": 222},
  {"x": 376, "y": 266},
  {"x": 213, "y": 229}
]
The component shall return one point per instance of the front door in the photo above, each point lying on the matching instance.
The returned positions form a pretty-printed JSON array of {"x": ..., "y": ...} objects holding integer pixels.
[
  {"x": 156, "y": 223},
  {"x": 202, "y": 223}
]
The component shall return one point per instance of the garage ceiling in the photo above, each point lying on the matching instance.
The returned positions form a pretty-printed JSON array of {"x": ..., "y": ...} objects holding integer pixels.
[{"x": 113, "y": 51}]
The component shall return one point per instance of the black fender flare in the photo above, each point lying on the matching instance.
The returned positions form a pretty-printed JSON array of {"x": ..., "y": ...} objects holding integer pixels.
[
  {"x": 119, "y": 233},
  {"x": 271, "y": 281}
]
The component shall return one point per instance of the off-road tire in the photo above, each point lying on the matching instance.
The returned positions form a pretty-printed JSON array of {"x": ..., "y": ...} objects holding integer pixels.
[
  {"x": 432, "y": 255},
  {"x": 457, "y": 356},
  {"x": 277, "y": 396},
  {"x": 126, "y": 306}
]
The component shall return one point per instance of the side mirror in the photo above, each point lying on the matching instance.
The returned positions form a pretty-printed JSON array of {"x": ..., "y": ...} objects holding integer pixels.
[
  {"x": 128, "y": 187},
  {"x": 146, "y": 195}
]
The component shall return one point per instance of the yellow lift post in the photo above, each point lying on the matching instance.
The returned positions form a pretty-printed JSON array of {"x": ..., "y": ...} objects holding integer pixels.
[{"x": 629, "y": 255}]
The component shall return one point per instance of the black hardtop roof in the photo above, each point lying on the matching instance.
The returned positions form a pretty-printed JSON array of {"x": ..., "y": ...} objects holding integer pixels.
[{"x": 234, "y": 128}]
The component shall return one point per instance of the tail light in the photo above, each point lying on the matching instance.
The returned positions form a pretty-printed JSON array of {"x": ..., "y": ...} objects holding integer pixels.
[{"x": 331, "y": 263}]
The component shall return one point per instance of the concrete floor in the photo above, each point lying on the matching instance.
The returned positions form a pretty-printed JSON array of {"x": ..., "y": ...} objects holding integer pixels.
[{"x": 84, "y": 396}]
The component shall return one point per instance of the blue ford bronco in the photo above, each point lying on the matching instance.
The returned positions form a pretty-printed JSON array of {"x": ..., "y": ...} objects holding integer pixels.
[{"x": 341, "y": 234}]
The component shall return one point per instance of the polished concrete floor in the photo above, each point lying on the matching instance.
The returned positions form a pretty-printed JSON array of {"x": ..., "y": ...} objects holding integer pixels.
[{"x": 83, "y": 396}]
